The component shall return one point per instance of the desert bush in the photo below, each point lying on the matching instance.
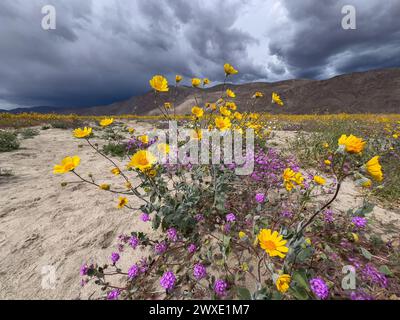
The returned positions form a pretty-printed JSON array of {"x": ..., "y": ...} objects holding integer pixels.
[
  {"x": 115, "y": 149},
  {"x": 28, "y": 133},
  {"x": 8, "y": 141},
  {"x": 273, "y": 234}
]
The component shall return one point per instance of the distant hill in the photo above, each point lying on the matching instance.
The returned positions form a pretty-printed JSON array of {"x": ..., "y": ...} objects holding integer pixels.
[{"x": 376, "y": 91}]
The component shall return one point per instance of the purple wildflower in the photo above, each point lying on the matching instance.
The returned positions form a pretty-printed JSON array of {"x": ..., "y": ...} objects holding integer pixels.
[
  {"x": 167, "y": 280},
  {"x": 260, "y": 197},
  {"x": 172, "y": 234},
  {"x": 227, "y": 227},
  {"x": 359, "y": 295},
  {"x": 199, "y": 271},
  {"x": 113, "y": 295},
  {"x": 114, "y": 257},
  {"x": 359, "y": 222},
  {"x": 328, "y": 216},
  {"x": 287, "y": 214},
  {"x": 371, "y": 274},
  {"x": 192, "y": 248},
  {"x": 220, "y": 287},
  {"x": 319, "y": 287},
  {"x": 133, "y": 271},
  {"x": 161, "y": 247},
  {"x": 143, "y": 266},
  {"x": 230, "y": 217},
  {"x": 84, "y": 270},
  {"x": 134, "y": 242},
  {"x": 145, "y": 217},
  {"x": 199, "y": 217}
]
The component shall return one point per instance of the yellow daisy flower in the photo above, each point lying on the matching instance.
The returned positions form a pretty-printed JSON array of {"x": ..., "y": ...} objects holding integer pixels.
[
  {"x": 142, "y": 160},
  {"x": 196, "y": 82},
  {"x": 106, "y": 122},
  {"x": 351, "y": 143},
  {"x": 122, "y": 202},
  {"x": 319, "y": 180},
  {"x": 374, "y": 169},
  {"x": 159, "y": 83},
  {"x": 67, "y": 164},
  {"x": 283, "y": 282},
  {"x": 197, "y": 111},
  {"x": 229, "y": 69},
  {"x": 82, "y": 133},
  {"x": 272, "y": 243},
  {"x": 222, "y": 123},
  {"x": 276, "y": 99},
  {"x": 230, "y": 93}
]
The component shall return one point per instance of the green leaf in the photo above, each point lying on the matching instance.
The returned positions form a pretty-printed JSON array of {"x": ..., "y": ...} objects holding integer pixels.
[
  {"x": 301, "y": 279},
  {"x": 366, "y": 253},
  {"x": 244, "y": 293},
  {"x": 299, "y": 293},
  {"x": 385, "y": 270}
]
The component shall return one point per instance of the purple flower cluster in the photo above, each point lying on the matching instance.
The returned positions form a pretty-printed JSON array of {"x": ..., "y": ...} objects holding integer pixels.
[
  {"x": 328, "y": 216},
  {"x": 199, "y": 271},
  {"x": 319, "y": 287},
  {"x": 135, "y": 144},
  {"x": 114, "y": 294},
  {"x": 114, "y": 257},
  {"x": 287, "y": 214},
  {"x": 230, "y": 217},
  {"x": 371, "y": 274},
  {"x": 167, "y": 280},
  {"x": 161, "y": 247},
  {"x": 192, "y": 248},
  {"x": 359, "y": 295},
  {"x": 145, "y": 217},
  {"x": 134, "y": 242},
  {"x": 172, "y": 234},
  {"x": 359, "y": 222},
  {"x": 133, "y": 271},
  {"x": 199, "y": 217},
  {"x": 268, "y": 167},
  {"x": 260, "y": 197},
  {"x": 220, "y": 287},
  {"x": 84, "y": 270}
]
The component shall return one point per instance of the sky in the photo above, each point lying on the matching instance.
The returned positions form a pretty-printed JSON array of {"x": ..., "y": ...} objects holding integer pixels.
[{"x": 104, "y": 51}]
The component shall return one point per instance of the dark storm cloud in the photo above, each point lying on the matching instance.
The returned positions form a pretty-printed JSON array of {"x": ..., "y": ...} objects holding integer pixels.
[
  {"x": 103, "y": 51},
  {"x": 316, "y": 45},
  {"x": 107, "y": 50}
]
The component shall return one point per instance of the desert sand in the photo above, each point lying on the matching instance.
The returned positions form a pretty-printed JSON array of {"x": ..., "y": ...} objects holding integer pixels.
[{"x": 45, "y": 225}]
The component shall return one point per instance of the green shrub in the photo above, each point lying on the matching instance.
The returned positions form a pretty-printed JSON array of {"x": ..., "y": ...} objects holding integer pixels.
[
  {"x": 28, "y": 133},
  {"x": 115, "y": 150},
  {"x": 8, "y": 141}
]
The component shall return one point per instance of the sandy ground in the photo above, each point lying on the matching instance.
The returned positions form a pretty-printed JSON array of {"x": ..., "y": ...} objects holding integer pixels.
[{"x": 45, "y": 227}]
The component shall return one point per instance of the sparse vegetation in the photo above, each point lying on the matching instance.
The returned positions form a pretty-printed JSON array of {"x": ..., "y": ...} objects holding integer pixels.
[{"x": 8, "y": 141}]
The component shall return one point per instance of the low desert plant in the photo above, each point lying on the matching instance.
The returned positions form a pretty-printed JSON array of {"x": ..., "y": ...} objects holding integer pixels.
[
  {"x": 28, "y": 133},
  {"x": 8, "y": 141}
]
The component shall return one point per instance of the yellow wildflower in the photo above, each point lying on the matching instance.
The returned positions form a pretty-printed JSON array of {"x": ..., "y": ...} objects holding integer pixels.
[
  {"x": 222, "y": 123},
  {"x": 67, "y": 164},
  {"x": 224, "y": 111},
  {"x": 319, "y": 180},
  {"x": 230, "y": 93},
  {"x": 272, "y": 243},
  {"x": 159, "y": 83},
  {"x": 131, "y": 130},
  {"x": 351, "y": 143},
  {"x": 167, "y": 105},
  {"x": 106, "y": 122},
  {"x": 229, "y": 69},
  {"x": 231, "y": 105},
  {"x": 374, "y": 169},
  {"x": 206, "y": 81},
  {"x": 122, "y": 202},
  {"x": 144, "y": 139},
  {"x": 142, "y": 160},
  {"x": 328, "y": 162},
  {"x": 238, "y": 116},
  {"x": 276, "y": 99},
  {"x": 196, "y": 82},
  {"x": 116, "y": 171},
  {"x": 283, "y": 282},
  {"x": 197, "y": 111},
  {"x": 178, "y": 78},
  {"x": 258, "y": 94},
  {"x": 241, "y": 234},
  {"x": 105, "y": 186},
  {"x": 82, "y": 133}
]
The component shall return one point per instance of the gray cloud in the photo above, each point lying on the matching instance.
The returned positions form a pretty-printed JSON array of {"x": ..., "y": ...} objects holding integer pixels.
[
  {"x": 317, "y": 46},
  {"x": 107, "y": 50}
]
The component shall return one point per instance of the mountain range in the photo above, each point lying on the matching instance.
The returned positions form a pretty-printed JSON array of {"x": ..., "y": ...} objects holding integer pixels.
[{"x": 376, "y": 91}]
